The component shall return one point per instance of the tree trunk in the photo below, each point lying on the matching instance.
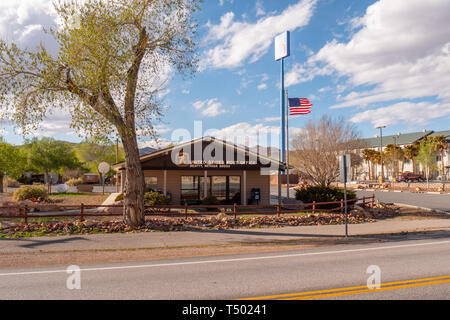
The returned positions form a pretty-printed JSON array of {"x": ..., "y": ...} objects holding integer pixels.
[
  {"x": 46, "y": 178},
  {"x": 1, "y": 183},
  {"x": 133, "y": 193}
]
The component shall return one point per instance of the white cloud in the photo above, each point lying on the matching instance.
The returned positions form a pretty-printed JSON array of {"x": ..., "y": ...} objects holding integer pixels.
[
  {"x": 22, "y": 21},
  {"x": 262, "y": 86},
  {"x": 210, "y": 107},
  {"x": 408, "y": 112},
  {"x": 401, "y": 50},
  {"x": 236, "y": 42},
  {"x": 259, "y": 8},
  {"x": 185, "y": 91}
]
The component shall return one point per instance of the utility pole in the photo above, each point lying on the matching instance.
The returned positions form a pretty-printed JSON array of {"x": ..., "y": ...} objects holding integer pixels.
[{"x": 287, "y": 145}]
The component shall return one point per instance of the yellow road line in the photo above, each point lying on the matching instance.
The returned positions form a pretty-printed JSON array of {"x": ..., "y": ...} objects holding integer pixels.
[
  {"x": 343, "y": 289},
  {"x": 370, "y": 290}
]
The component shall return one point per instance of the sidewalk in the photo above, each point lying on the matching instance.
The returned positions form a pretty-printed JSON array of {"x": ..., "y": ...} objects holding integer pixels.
[{"x": 209, "y": 237}]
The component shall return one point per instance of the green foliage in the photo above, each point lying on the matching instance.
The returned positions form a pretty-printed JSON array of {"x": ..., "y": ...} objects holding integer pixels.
[
  {"x": 323, "y": 194},
  {"x": 74, "y": 182},
  {"x": 12, "y": 160},
  {"x": 155, "y": 198},
  {"x": 47, "y": 155},
  {"x": 30, "y": 192},
  {"x": 119, "y": 197},
  {"x": 426, "y": 155},
  {"x": 210, "y": 200},
  {"x": 91, "y": 154}
]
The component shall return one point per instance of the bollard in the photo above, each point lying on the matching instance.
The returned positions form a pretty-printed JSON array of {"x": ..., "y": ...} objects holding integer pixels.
[
  {"x": 185, "y": 210},
  {"x": 314, "y": 207},
  {"x": 234, "y": 210},
  {"x": 342, "y": 206}
]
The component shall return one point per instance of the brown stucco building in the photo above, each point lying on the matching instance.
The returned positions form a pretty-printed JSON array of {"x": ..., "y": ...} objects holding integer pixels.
[{"x": 190, "y": 171}]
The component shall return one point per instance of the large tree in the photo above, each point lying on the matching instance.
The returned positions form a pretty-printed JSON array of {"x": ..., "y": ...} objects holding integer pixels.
[
  {"x": 48, "y": 155},
  {"x": 317, "y": 147},
  {"x": 92, "y": 154},
  {"x": 426, "y": 156},
  {"x": 107, "y": 73},
  {"x": 12, "y": 161}
]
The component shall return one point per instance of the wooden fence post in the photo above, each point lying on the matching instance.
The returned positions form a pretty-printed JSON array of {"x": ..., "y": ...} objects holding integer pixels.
[
  {"x": 25, "y": 212},
  {"x": 185, "y": 210},
  {"x": 342, "y": 206},
  {"x": 372, "y": 201},
  {"x": 314, "y": 207},
  {"x": 364, "y": 202},
  {"x": 82, "y": 212},
  {"x": 234, "y": 210},
  {"x": 278, "y": 210}
]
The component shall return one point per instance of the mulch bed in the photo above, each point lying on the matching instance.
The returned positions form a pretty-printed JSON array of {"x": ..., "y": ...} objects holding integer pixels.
[{"x": 173, "y": 224}]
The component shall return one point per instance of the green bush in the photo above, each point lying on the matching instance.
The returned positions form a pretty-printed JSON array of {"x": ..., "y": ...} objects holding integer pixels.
[
  {"x": 30, "y": 192},
  {"x": 155, "y": 198},
  {"x": 119, "y": 197},
  {"x": 74, "y": 182},
  {"x": 210, "y": 200},
  {"x": 323, "y": 194},
  {"x": 11, "y": 183}
]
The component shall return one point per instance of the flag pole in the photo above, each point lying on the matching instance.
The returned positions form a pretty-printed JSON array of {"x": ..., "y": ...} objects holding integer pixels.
[{"x": 287, "y": 145}]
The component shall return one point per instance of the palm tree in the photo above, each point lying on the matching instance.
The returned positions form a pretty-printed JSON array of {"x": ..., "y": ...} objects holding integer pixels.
[
  {"x": 394, "y": 154},
  {"x": 377, "y": 158},
  {"x": 441, "y": 145},
  {"x": 411, "y": 152},
  {"x": 367, "y": 156}
]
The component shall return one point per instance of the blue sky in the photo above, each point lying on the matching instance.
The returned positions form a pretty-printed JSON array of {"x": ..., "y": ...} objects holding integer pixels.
[{"x": 372, "y": 62}]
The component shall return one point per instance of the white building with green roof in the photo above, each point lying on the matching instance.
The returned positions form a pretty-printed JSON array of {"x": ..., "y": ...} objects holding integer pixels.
[{"x": 402, "y": 140}]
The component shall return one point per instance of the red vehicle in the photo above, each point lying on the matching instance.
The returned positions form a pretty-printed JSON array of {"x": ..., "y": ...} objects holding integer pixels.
[{"x": 409, "y": 176}]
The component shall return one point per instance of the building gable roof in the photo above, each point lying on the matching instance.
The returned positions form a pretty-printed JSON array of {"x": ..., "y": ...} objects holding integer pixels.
[{"x": 166, "y": 151}]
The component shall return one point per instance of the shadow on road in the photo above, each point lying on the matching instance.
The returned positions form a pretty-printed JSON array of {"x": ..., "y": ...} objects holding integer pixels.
[{"x": 33, "y": 243}]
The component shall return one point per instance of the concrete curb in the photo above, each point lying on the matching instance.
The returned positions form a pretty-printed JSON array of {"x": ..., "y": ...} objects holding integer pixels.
[{"x": 422, "y": 208}]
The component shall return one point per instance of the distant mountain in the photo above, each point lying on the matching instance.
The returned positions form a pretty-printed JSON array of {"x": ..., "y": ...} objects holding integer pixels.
[
  {"x": 265, "y": 150},
  {"x": 146, "y": 150}
]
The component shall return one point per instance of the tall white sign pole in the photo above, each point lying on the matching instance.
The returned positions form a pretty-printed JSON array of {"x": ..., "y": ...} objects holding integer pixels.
[{"x": 282, "y": 50}]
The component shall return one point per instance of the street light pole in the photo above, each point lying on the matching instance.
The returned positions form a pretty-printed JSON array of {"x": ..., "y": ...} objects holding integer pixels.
[{"x": 381, "y": 152}]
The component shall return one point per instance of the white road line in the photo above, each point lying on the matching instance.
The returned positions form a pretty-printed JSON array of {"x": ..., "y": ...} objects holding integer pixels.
[{"x": 230, "y": 260}]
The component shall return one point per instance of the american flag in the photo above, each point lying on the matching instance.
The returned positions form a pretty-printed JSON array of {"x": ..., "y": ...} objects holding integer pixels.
[{"x": 299, "y": 106}]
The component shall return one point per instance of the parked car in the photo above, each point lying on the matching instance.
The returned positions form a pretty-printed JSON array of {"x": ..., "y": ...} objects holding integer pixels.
[{"x": 409, "y": 176}]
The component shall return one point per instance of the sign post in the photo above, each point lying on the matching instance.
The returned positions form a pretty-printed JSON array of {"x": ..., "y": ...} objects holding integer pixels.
[
  {"x": 344, "y": 176},
  {"x": 282, "y": 50},
  {"x": 103, "y": 168}
]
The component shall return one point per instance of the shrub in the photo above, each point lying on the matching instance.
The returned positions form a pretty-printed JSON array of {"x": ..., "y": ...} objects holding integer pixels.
[
  {"x": 30, "y": 192},
  {"x": 210, "y": 200},
  {"x": 74, "y": 182},
  {"x": 155, "y": 198},
  {"x": 11, "y": 183},
  {"x": 119, "y": 197},
  {"x": 323, "y": 194}
]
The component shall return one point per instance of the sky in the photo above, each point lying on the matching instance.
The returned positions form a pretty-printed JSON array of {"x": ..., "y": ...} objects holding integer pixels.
[{"x": 372, "y": 62}]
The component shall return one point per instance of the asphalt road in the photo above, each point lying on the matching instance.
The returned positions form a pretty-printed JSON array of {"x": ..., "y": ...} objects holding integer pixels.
[
  {"x": 284, "y": 273},
  {"x": 439, "y": 202}
]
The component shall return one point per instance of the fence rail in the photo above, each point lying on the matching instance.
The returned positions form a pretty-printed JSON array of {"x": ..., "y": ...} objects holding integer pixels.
[{"x": 231, "y": 210}]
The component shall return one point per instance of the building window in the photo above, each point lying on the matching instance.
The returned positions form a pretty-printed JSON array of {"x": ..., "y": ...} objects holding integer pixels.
[
  {"x": 151, "y": 184},
  {"x": 227, "y": 189}
]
